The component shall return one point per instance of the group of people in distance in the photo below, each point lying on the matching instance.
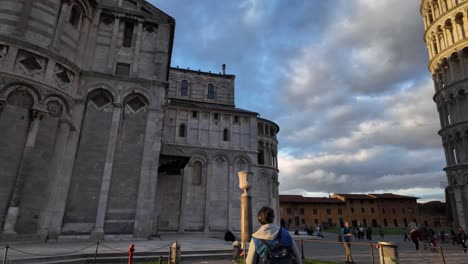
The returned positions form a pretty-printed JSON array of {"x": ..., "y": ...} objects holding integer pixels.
[
  {"x": 273, "y": 244},
  {"x": 431, "y": 239}
]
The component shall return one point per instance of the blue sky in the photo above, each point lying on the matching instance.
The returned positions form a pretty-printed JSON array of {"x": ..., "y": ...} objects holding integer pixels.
[{"x": 346, "y": 80}]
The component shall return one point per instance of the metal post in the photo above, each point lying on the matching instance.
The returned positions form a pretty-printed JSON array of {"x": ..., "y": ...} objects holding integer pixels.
[
  {"x": 372, "y": 253},
  {"x": 302, "y": 248},
  {"x": 442, "y": 255},
  {"x": 131, "y": 249},
  {"x": 95, "y": 253},
  {"x": 5, "y": 255}
]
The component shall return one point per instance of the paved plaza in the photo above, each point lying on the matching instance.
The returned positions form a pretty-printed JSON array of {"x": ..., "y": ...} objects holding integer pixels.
[{"x": 199, "y": 248}]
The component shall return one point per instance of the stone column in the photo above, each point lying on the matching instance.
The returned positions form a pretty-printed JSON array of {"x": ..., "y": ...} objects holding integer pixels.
[
  {"x": 10, "y": 58},
  {"x": 230, "y": 183},
  {"x": 98, "y": 232},
  {"x": 64, "y": 14},
  {"x": 149, "y": 174},
  {"x": 207, "y": 196},
  {"x": 433, "y": 13},
  {"x": 23, "y": 23},
  {"x": 84, "y": 32},
  {"x": 50, "y": 221},
  {"x": 91, "y": 41},
  {"x": 115, "y": 32},
  {"x": 183, "y": 188},
  {"x": 15, "y": 198},
  {"x": 462, "y": 63},
  {"x": 136, "y": 58},
  {"x": 464, "y": 25}
]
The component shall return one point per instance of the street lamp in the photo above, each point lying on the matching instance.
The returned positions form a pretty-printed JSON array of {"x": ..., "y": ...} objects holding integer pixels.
[{"x": 246, "y": 207}]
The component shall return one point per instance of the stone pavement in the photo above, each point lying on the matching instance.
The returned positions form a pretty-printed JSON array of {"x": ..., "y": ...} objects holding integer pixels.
[{"x": 200, "y": 248}]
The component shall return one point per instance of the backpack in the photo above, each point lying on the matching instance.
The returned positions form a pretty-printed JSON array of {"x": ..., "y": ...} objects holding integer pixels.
[{"x": 276, "y": 251}]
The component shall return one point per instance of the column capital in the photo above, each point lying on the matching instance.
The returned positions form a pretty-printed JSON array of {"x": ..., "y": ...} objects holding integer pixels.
[
  {"x": 119, "y": 105},
  {"x": 67, "y": 122},
  {"x": 37, "y": 113}
]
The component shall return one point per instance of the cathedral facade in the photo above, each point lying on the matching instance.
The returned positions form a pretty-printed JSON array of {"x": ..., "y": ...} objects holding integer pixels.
[
  {"x": 100, "y": 136},
  {"x": 446, "y": 29}
]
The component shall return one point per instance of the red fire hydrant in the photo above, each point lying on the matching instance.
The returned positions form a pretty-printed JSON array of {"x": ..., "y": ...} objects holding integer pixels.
[{"x": 131, "y": 249}]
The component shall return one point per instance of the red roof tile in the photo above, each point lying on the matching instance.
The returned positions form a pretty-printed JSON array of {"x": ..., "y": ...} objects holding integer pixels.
[
  {"x": 352, "y": 196},
  {"x": 391, "y": 196},
  {"x": 302, "y": 199}
]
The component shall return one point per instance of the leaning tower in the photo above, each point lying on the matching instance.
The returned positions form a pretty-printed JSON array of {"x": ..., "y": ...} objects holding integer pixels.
[{"x": 446, "y": 29}]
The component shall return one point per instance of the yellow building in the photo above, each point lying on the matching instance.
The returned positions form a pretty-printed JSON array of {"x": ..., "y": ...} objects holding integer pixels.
[{"x": 386, "y": 210}]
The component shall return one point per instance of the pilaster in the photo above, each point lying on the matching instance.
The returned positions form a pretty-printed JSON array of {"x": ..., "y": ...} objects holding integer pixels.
[
  {"x": 64, "y": 13},
  {"x": 112, "y": 52},
  {"x": 207, "y": 196},
  {"x": 136, "y": 58},
  {"x": 50, "y": 221},
  {"x": 16, "y": 195},
  {"x": 148, "y": 175},
  {"x": 98, "y": 232}
]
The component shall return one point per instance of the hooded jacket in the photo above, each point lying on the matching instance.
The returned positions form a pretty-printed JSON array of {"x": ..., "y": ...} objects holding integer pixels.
[{"x": 268, "y": 232}]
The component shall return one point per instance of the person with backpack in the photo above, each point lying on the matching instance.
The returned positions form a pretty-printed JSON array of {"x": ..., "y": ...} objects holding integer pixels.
[{"x": 271, "y": 243}]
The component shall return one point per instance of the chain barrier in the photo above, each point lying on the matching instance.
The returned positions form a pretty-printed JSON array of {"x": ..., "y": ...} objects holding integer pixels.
[
  {"x": 114, "y": 249},
  {"x": 153, "y": 250},
  {"x": 53, "y": 255},
  {"x": 97, "y": 244}
]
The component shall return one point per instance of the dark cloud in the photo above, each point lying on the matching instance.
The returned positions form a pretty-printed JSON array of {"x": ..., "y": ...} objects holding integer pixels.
[{"x": 346, "y": 81}]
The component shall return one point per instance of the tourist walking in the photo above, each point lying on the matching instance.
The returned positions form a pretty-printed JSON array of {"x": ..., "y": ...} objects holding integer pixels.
[
  {"x": 406, "y": 236},
  {"x": 461, "y": 238},
  {"x": 454, "y": 237},
  {"x": 382, "y": 235},
  {"x": 415, "y": 235},
  {"x": 270, "y": 241},
  {"x": 346, "y": 234}
]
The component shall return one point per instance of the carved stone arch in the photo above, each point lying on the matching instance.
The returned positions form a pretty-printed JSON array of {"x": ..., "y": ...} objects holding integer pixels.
[
  {"x": 243, "y": 162},
  {"x": 263, "y": 176},
  {"x": 102, "y": 85},
  {"x": 199, "y": 156},
  {"x": 135, "y": 103},
  {"x": 177, "y": 151},
  {"x": 219, "y": 159},
  {"x": 21, "y": 98},
  {"x": 100, "y": 98},
  {"x": 11, "y": 87},
  {"x": 274, "y": 176},
  {"x": 83, "y": 6},
  {"x": 454, "y": 57},
  {"x": 197, "y": 80},
  {"x": 130, "y": 90},
  {"x": 56, "y": 105}
]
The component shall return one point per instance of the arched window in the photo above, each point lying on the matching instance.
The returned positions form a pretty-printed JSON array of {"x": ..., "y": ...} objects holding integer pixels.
[
  {"x": 182, "y": 130},
  {"x": 128, "y": 34},
  {"x": 184, "y": 88},
  {"x": 211, "y": 92},
  {"x": 459, "y": 25},
  {"x": 261, "y": 158},
  {"x": 75, "y": 16},
  {"x": 226, "y": 135},
  {"x": 21, "y": 98},
  {"x": 197, "y": 173}
]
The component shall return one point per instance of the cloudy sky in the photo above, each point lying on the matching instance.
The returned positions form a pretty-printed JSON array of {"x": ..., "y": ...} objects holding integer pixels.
[{"x": 346, "y": 80}]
